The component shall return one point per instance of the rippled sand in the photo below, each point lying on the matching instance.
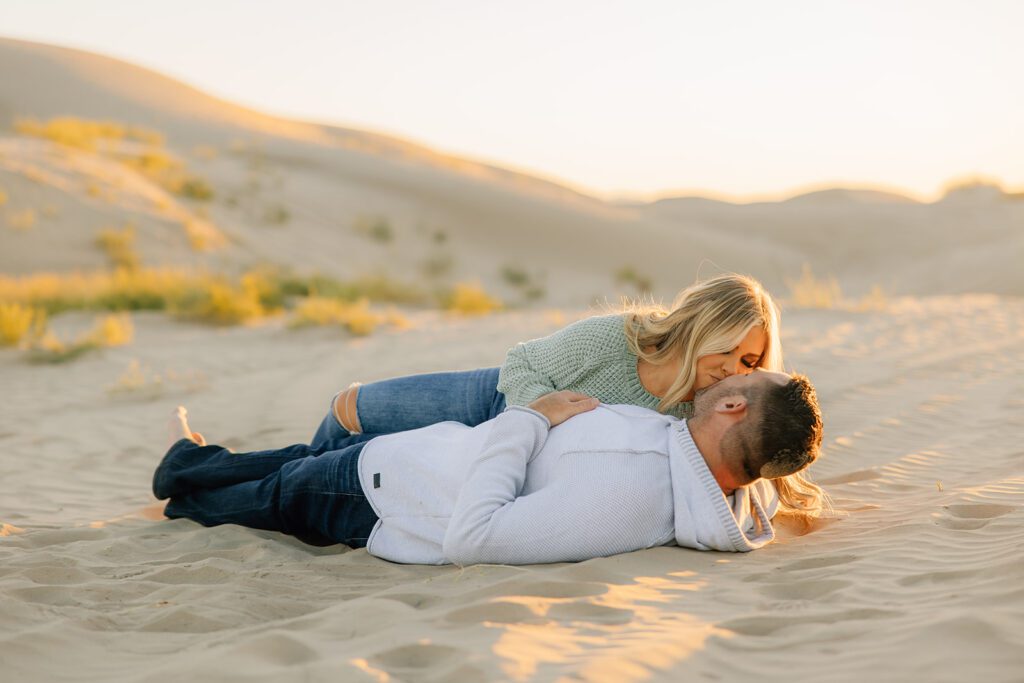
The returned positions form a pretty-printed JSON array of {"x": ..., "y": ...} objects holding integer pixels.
[{"x": 923, "y": 579}]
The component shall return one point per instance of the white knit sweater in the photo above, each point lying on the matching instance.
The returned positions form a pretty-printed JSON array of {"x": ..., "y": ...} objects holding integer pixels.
[{"x": 514, "y": 491}]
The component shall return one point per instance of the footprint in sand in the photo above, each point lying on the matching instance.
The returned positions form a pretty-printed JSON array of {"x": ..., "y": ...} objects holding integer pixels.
[
  {"x": 851, "y": 477},
  {"x": 804, "y": 590},
  {"x": 970, "y": 516},
  {"x": 818, "y": 562},
  {"x": 419, "y": 656},
  {"x": 414, "y": 600},
  {"x": 495, "y": 612},
  {"x": 276, "y": 648},
  {"x": 767, "y": 625}
]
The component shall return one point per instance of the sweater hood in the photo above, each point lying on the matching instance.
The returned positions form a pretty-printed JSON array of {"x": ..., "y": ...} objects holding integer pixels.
[{"x": 704, "y": 517}]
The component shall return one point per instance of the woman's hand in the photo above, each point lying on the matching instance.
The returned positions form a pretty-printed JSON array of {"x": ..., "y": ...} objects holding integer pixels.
[{"x": 559, "y": 406}]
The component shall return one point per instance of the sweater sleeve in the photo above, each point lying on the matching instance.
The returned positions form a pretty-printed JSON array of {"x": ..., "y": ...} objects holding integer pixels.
[
  {"x": 540, "y": 366},
  {"x": 493, "y": 524}
]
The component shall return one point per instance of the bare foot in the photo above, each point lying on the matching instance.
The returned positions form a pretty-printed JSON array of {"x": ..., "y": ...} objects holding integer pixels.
[{"x": 180, "y": 430}]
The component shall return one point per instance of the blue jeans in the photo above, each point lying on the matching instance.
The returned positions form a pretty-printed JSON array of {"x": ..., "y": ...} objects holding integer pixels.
[
  {"x": 311, "y": 493},
  {"x": 404, "y": 403}
]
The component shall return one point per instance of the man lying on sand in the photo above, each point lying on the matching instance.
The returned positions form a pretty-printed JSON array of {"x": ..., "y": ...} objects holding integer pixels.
[{"x": 565, "y": 479}]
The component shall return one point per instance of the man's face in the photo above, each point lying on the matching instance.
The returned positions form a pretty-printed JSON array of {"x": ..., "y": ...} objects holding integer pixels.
[{"x": 718, "y": 407}]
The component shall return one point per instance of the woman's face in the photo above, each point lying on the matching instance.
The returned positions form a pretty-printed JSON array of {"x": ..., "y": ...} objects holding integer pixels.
[{"x": 740, "y": 361}]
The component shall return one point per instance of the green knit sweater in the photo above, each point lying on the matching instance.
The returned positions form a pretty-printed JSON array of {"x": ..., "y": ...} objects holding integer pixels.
[{"x": 590, "y": 356}]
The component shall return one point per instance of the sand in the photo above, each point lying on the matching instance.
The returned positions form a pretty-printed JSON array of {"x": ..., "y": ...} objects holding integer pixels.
[{"x": 922, "y": 578}]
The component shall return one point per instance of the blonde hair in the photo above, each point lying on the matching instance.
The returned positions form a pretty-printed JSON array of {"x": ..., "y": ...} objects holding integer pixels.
[
  {"x": 711, "y": 317},
  {"x": 708, "y": 317}
]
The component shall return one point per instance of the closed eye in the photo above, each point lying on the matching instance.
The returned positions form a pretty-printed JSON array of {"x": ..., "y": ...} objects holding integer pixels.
[{"x": 750, "y": 363}]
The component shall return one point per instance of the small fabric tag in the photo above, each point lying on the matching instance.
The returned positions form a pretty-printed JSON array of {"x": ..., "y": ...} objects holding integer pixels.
[{"x": 376, "y": 480}]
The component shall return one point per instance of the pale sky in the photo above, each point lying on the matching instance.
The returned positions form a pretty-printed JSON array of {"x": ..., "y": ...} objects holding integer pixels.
[{"x": 745, "y": 98}]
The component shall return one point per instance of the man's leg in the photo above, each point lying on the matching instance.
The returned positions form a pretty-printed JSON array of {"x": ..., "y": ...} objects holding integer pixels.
[
  {"x": 317, "y": 499},
  {"x": 187, "y": 466}
]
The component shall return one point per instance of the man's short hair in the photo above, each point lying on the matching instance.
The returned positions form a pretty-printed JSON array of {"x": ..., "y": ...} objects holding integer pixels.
[{"x": 783, "y": 433}]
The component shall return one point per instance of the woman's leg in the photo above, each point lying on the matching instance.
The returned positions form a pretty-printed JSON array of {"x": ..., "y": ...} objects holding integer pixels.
[
  {"x": 415, "y": 401},
  {"x": 317, "y": 499}
]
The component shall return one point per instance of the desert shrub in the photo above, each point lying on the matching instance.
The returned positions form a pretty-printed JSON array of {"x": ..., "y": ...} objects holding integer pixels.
[
  {"x": 22, "y": 220},
  {"x": 520, "y": 280},
  {"x": 119, "y": 290},
  {"x": 875, "y": 300},
  {"x": 809, "y": 291},
  {"x": 437, "y": 265},
  {"x": 140, "y": 380},
  {"x": 140, "y": 290},
  {"x": 87, "y": 134},
  {"x": 144, "y": 151},
  {"x": 217, "y": 301},
  {"x": 514, "y": 276},
  {"x": 376, "y": 228},
  {"x": 469, "y": 299},
  {"x": 111, "y": 330},
  {"x": 628, "y": 275},
  {"x": 534, "y": 293},
  {"x": 108, "y": 331},
  {"x": 194, "y": 187},
  {"x": 203, "y": 235},
  {"x": 356, "y": 317},
  {"x": 119, "y": 247},
  {"x": 266, "y": 286},
  {"x": 277, "y": 214},
  {"x": 385, "y": 289},
  {"x": 51, "y": 350},
  {"x": 18, "y": 322}
]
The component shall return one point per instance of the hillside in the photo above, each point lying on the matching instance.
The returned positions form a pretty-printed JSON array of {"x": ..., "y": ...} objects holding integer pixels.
[{"x": 346, "y": 203}]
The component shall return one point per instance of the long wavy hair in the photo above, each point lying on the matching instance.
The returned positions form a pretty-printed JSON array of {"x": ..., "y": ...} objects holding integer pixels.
[{"x": 711, "y": 317}]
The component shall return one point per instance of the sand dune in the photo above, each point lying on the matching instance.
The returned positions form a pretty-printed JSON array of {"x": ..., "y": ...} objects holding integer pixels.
[
  {"x": 920, "y": 581},
  {"x": 326, "y": 179}
]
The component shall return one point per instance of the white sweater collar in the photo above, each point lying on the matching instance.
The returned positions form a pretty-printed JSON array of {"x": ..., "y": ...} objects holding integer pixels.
[{"x": 703, "y": 517}]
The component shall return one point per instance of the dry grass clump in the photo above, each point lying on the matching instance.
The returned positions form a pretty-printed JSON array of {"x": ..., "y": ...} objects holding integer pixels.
[
  {"x": 356, "y": 317},
  {"x": 18, "y": 322},
  {"x": 108, "y": 331},
  {"x": 22, "y": 220},
  {"x": 377, "y": 288},
  {"x": 628, "y": 275},
  {"x": 219, "y": 302},
  {"x": 140, "y": 380},
  {"x": 203, "y": 236},
  {"x": 520, "y": 280},
  {"x": 810, "y": 291},
  {"x": 138, "y": 148},
  {"x": 376, "y": 228},
  {"x": 152, "y": 289},
  {"x": 119, "y": 247},
  {"x": 469, "y": 299},
  {"x": 86, "y": 134}
]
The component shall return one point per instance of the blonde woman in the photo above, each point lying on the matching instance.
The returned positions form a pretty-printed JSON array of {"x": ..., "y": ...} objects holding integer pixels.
[{"x": 646, "y": 356}]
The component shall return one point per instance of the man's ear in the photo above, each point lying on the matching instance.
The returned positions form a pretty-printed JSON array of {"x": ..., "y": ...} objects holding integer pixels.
[{"x": 731, "y": 404}]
